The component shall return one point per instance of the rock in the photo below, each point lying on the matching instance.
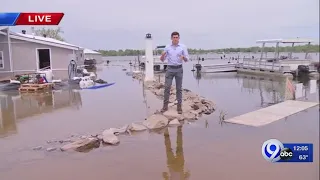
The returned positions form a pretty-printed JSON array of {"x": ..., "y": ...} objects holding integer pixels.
[
  {"x": 109, "y": 137},
  {"x": 53, "y": 141},
  {"x": 82, "y": 145},
  {"x": 37, "y": 148},
  {"x": 172, "y": 104},
  {"x": 100, "y": 137},
  {"x": 83, "y": 137},
  {"x": 121, "y": 130},
  {"x": 195, "y": 107},
  {"x": 172, "y": 99},
  {"x": 186, "y": 106},
  {"x": 159, "y": 92},
  {"x": 200, "y": 107},
  {"x": 190, "y": 116},
  {"x": 156, "y": 121},
  {"x": 68, "y": 140},
  {"x": 195, "y": 112},
  {"x": 209, "y": 107},
  {"x": 51, "y": 149},
  {"x": 171, "y": 114},
  {"x": 174, "y": 122},
  {"x": 137, "y": 127},
  {"x": 159, "y": 86}
]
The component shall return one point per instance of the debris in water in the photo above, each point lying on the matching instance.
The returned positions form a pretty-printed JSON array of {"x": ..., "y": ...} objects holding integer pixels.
[
  {"x": 37, "y": 148},
  {"x": 100, "y": 81},
  {"x": 51, "y": 149}
]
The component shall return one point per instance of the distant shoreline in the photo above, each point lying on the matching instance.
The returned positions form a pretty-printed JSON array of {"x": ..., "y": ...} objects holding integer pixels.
[
  {"x": 221, "y": 54},
  {"x": 256, "y": 49}
]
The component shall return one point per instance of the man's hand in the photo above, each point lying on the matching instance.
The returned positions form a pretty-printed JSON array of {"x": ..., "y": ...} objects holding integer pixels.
[
  {"x": 183, "y": 58},
  {"x": 163, "y": 55}
]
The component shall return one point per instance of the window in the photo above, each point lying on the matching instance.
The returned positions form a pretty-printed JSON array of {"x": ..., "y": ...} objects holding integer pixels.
[{"x": 1, "y": 60}]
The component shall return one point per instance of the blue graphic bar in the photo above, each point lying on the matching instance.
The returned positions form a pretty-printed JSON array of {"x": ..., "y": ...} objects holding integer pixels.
[
  {"x": 8, "y": 19},
  {"x": 302, "y": 152}
]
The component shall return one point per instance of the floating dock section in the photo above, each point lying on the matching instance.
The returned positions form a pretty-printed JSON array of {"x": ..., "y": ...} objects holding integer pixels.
[{"x": 271, "y": 114}]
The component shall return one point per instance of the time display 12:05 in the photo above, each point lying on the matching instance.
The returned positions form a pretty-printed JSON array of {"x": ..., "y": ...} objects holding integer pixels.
[{"x": 300, "y": 148}]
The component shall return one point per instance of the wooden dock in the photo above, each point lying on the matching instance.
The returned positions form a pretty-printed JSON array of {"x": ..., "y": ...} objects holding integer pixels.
[
  {"x": 217, "y": 68},
  {"x": 35, "y": 87},
  {"x": 271, "y": 114}
]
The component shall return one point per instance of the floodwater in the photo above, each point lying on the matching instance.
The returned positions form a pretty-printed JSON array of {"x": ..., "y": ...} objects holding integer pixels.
[{"x": 203, "y": 150}]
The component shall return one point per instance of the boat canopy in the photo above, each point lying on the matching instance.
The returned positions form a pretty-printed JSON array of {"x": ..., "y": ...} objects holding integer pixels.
[{"x": 294, "y": 40}]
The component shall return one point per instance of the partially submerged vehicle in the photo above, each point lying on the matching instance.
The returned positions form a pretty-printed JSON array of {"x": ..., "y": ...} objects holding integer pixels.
[{"x": 90, "y": 63}]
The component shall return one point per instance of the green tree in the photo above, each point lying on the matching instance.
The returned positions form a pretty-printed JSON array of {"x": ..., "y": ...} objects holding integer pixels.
[{"x": 51, "y": 33}]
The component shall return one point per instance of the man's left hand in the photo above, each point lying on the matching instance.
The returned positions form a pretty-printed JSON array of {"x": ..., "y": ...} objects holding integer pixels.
[{"x": 183, "y": 58}]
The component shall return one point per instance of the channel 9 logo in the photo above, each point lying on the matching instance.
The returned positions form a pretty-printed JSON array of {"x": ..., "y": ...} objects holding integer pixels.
[{"x": 273, "y": 150}]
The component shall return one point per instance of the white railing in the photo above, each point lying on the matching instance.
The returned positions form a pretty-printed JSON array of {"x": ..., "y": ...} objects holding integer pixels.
[{"x": 264, "y": 65}]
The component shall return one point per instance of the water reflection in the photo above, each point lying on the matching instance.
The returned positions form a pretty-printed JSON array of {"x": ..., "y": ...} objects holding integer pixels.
[
  {"x": 15, "y": 107},
  {"x": 276, "y": 90},
  {"x": 271, "y": 90},
  {"x": 175, "y": 162}
]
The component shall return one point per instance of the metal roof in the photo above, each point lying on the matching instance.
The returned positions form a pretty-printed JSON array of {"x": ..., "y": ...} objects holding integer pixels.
[
  {"x": 46, "y": 39},
  {"x": 89, "y": 51},
  {"x": 294, "y": 40},
  {"x": 42, "y": 40}
]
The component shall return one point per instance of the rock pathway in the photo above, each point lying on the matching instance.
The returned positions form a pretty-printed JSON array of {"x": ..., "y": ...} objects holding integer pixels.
[{"x": 193, "y": 106}]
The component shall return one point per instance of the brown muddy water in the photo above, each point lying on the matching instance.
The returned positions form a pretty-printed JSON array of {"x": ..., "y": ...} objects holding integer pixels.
[{"x": 203, "y": 150}]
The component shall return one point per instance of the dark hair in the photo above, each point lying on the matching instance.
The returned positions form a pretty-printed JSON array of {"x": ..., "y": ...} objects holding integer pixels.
[{"x": 175, "y": 33}]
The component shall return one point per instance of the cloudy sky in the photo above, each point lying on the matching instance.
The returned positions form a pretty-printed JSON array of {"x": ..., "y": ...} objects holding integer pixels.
[{"x": 122, "y": 24}]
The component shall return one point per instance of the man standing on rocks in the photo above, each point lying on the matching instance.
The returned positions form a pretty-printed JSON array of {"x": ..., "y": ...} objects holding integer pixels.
[{"x": 175, "y": 53}]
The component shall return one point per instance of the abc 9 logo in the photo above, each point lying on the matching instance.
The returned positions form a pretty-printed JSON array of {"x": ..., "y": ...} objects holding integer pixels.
[{"x": 273, "y": 150}]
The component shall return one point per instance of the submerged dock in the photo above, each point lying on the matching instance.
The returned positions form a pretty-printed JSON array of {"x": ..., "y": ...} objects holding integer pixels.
[{"x": 271, "y": 114}]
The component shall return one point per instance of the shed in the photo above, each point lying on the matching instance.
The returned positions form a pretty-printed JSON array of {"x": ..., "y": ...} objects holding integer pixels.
[
  {"x": 26, "y": 53},
  {"x": 90, "y": 54}
]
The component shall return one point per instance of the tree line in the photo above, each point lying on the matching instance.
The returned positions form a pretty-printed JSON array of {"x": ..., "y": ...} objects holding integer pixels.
[{"x": 254, "y": 49}]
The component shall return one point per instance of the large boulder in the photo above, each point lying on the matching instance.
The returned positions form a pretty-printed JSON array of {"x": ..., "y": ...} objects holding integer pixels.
[
  {"x": 174, "y": 122},
  {"x": 82, "y": 145},
  {"x": 159, "y": 92},
  {"x": 137, "y": 127},
  {"x": 190, "y": 115},
  {"x": 156, "y": 121},
  {"x": 109, "y": 137},
  {"x": 172, "y": 113}
]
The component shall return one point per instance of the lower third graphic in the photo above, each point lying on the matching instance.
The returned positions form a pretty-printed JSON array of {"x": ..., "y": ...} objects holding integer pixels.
[{"x": 274, "y": 151}]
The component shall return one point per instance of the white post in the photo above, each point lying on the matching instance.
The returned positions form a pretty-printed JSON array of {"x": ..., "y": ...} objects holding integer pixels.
[
  {"x": 9, "y": 49},
  {"x": 149, "y": 75}
]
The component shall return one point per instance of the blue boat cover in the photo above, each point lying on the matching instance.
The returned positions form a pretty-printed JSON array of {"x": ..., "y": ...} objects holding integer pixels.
[{"x": 100, "y": 86}]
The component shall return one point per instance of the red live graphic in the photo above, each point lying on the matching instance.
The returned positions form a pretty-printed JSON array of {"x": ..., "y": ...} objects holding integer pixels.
[{"x": 39, "y": 18}]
